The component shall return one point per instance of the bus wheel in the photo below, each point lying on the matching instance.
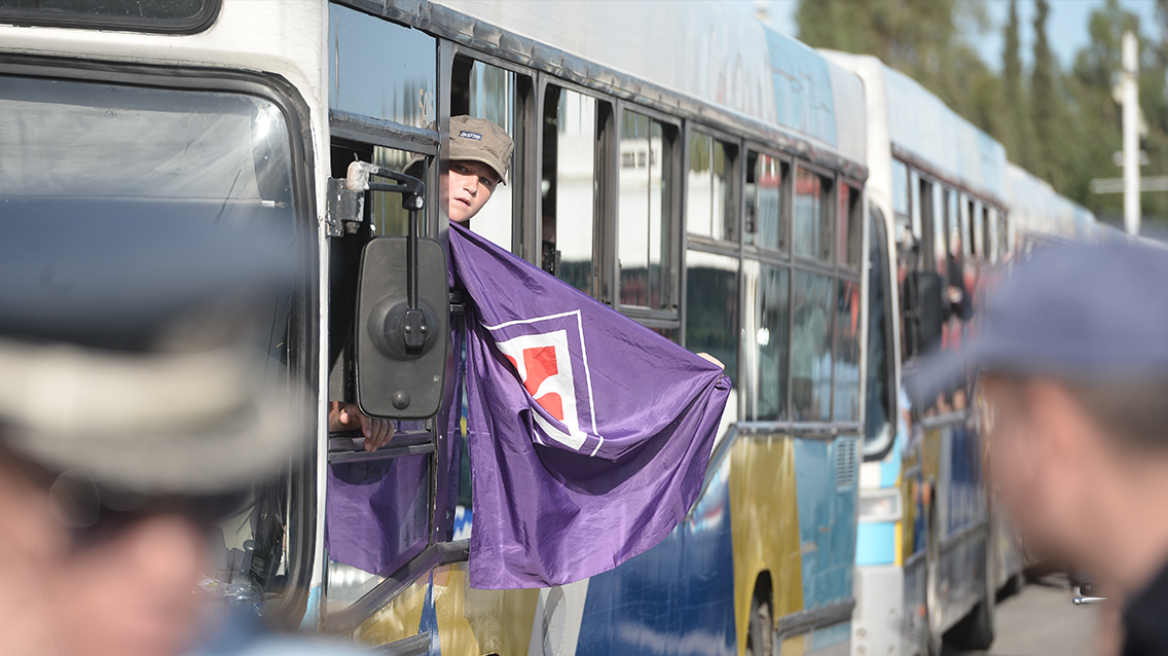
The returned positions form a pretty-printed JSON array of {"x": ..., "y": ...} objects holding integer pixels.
[
  {"x": 975, "y": 631},
  {"x": 932, "y": 634},
  {"x": 760, "y": 633}
]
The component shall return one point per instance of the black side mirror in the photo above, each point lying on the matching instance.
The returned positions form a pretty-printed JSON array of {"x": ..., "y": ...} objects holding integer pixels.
[
  {"x": 926, "y": 293},
  {"x": 402, "y": 316}
]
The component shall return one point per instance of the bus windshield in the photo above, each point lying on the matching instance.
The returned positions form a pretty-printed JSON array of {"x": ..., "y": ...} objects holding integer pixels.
[
  {"x": 181, "y": 155},
  {"x": 85, "y": 150}
]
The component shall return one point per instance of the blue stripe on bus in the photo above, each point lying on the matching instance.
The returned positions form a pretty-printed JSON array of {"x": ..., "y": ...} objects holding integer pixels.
[
  {"x": 875, "y": 543},
  {"x": 890, "y": 466},
  {"x": 826, "y": 520},
  {"x": 677, "y": 597}
]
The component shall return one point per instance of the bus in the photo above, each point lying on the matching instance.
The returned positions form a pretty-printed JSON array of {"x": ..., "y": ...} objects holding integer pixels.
[
  {"x": 1038, "y": 213},
  {"x": 694, "y": 170},
  {"x": 950, "y": 211}
]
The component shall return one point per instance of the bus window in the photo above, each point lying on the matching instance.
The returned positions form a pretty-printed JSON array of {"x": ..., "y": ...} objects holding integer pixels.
[
  {"x": 765, "y": 340},
  {"x": 711, "y": 315},
  {"x": 1003, "y": 237},
  {"x": 900, "y": 191},
  {"x": 645, "y": 231},
  {"x": 709, "y": 203},
  {"x": 814, "y": 215},
  {"x": 569, "y": 174},
  {"x": 387, "y": 216},
  {"x": 811, "y": 362},
  {"x": 766, "y": 225},
  {"x": 977, "y": 222},
  {"x": 369, "y": 500},
  {"x": 846, "y": 404},
  {"x": 850, "y": 229},
  {"x": 936, "y": 207},
  {"x": 484, "y": 91},
  {"x": 362, "y": 79},
  {"x": 879, "y": 414},
  {"x": 983, "y": 234}
]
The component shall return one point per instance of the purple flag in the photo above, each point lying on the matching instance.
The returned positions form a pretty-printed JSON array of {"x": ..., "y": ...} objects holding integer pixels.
[{"x": 589, "y": 433}]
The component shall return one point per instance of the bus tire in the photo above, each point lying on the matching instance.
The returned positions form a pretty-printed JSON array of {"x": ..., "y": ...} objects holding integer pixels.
[
  {"x": 975, "y": 631},
  {"x": 760, "y": 631},
  {"x": 932, "y": 637}
]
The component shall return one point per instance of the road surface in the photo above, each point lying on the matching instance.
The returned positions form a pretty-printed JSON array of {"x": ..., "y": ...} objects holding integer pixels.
[{"x": 1041, "y": 621}]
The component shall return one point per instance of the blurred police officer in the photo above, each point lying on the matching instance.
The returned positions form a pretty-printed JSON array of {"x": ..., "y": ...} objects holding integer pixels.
[
  {"x": 1073, "y": 363},
  {"x": 135, "y": 410}
]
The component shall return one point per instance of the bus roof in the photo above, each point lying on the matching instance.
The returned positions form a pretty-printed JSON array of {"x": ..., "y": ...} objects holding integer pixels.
[
  {"x": 924, "y": 131},
  {"x": 1037, "y": 208},
  {"x": 704, "y": 51}
]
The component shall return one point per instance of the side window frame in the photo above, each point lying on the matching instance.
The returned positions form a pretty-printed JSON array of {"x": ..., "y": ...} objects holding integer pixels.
[
  {"x": 606, "y": 161},
  {"x": 523, "y": 176},
  {"x": 672, "y": 222},
  {"x": 878, "y": 233},
  {"x": 786, "y": 192},
  {"x": 828, "y": 257}
]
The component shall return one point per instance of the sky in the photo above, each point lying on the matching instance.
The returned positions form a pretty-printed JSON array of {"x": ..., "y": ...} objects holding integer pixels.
[{"x": 1066, "y": 27}]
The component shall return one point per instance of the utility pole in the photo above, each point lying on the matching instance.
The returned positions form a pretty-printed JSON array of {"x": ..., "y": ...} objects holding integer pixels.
[{"x": 1131, "y": 134}]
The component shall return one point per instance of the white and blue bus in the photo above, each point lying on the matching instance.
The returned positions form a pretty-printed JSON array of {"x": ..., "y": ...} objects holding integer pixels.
[
  {"x": 933, "y": 551},
  {"x": 681, "y": 163}
]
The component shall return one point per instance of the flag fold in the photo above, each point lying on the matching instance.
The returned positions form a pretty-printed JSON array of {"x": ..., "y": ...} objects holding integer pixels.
[{"x": 589, "y": 434}]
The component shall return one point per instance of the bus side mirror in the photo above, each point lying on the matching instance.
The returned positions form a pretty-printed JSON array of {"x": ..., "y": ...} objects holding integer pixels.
[
  {"x": 928, "y": 308},
  {"x": 401, "y": 350},
  {"x": 402, "y": 310}
]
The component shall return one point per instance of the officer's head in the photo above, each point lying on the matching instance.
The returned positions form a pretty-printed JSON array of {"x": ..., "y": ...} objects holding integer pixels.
[
  {"x": 1072, "y": 364},
  {"x": 140, "y": 399}
]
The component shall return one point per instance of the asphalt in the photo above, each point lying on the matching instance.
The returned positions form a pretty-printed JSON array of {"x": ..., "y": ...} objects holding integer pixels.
[{"x": 1041, "y": 620}]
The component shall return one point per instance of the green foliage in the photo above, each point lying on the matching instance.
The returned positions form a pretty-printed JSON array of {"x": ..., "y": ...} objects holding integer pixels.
[
  {"x": 1063, "y": 127},
  {"x": 1014, "y": 125},
  {"x": 923, "y": 38}
]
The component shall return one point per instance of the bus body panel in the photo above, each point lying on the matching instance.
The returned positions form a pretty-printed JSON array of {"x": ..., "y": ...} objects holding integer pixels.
[{"x": 471, "y": 622}]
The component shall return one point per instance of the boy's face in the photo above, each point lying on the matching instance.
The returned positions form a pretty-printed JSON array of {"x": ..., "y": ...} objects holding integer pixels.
[{"x": 466, "y": 188}]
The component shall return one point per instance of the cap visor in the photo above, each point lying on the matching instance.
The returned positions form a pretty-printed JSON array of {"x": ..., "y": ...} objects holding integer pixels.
[{"x": 941, "y": 372}]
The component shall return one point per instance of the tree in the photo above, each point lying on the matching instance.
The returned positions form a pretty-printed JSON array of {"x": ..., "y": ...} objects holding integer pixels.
[
  {"x": 1044, "y": 103},
  {"x": 1063, "y": 128},
  {"x": 1015, "y": 132},
  {"x": 922, "y": 38}
]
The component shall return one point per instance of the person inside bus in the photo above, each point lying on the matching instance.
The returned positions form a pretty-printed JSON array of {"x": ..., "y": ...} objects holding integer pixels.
[
  {"x": 1072, "y": 358},
  {"x": 479, "y": 157}
]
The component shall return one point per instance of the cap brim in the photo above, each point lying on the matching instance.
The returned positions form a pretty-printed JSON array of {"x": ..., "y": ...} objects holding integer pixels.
[
  {"x": 483, "y": 159},
  {"x": 191, "y": 424},
  {"x": 940, "y": 372}
]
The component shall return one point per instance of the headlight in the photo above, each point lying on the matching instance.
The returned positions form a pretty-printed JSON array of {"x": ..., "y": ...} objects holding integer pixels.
[{"x": 880, "y": 505}]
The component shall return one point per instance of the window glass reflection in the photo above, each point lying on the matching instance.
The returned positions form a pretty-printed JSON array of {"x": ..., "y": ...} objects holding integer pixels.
[
  {"x": 846, "y": 406},
  {"x": 377, "y": 519},
  {"x": 643, "y": 233},
  {"x": 878, "y": 415},
  {"x": 711, "y": 316},
  {"x": 386, "y": 212},
  {"x": 708, "y": 200},
  {"x": 850, "y": 230},
  {"x": 811, "y": 363},
  {"x": 381, "y": 69},
  {"x": 899, "y": 187},
  {"x": 569, "y": 124},
  {"x": 813, "y": 216},
  {"x": 765, "y": 339},
  {"x": 765, "y": 177}
]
